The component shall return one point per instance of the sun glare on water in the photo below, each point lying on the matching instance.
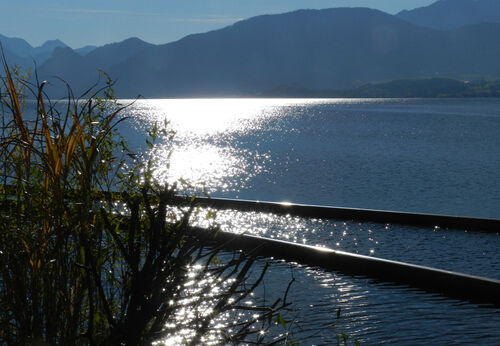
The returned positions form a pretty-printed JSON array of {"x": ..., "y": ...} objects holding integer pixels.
[
  {"x": 207, "y": 117},
  {"x": 203, "y": 152}
]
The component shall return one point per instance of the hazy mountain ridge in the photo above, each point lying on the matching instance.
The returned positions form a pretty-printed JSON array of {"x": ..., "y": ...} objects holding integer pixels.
[
  {"x": 81, "y": 71},
  {"x": 22, "y": 53},
  {"x": 317, "y": 49},
  {"x": 452, "y": 14},
  {"x": 341, "y": 48},
  {"x": 85, "y": 50},
  {"x": 19, "y": 52},
  {"x": 310, "y": 48}
]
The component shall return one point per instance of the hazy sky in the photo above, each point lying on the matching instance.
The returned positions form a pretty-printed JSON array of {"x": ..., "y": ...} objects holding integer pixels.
[{"x": 96, "y": 22}]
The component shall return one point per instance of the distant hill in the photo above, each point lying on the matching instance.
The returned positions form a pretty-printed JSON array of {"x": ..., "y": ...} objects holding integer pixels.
[
  {"x": 331, "y": 49},
  {"x": 80, "y": 70},
  {"x": 452, "y": 14},
  {"x": 20, "y": 52},
  {"x": 85, "y": 50},
  {"x": 16, "y": 45},
  {"x": 42, "y": 53},
  {"x": 16, "y": 50},
  {"x": 68, "y": 65},
  {"x": 316, "y": 49},
  {"x": 421, "y": 88},
  {"x": 311, "y": 48},
  {"x": 115, "y": 53}
]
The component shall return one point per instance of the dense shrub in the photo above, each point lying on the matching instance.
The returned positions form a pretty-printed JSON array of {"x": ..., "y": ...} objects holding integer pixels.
[{"x": 92, "y": 249}]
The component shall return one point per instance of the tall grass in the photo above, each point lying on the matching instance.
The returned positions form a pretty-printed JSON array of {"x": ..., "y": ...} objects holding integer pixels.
[{"x": 78, "y": 265}]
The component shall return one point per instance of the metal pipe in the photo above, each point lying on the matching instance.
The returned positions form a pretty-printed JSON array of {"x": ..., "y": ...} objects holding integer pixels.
[
  {"x": 452, "y": 284},
  {"x": 369, "y": 215}
]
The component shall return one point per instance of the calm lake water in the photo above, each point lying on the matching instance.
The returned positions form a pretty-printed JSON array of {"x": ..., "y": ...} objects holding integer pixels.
[{"x": 432, "y": 156}]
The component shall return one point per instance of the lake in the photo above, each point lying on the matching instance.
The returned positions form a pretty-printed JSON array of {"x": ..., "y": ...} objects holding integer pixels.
[{"x": 421, "y": 155}]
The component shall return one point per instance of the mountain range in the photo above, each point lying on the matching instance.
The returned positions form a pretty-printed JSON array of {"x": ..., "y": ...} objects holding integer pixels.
[
  {"x": 19, "y": 52},
  {"x": 328, "y": 49}
]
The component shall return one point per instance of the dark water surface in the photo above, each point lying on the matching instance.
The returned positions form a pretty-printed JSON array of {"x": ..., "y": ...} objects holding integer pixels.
[{"x": 433, "y": 156}]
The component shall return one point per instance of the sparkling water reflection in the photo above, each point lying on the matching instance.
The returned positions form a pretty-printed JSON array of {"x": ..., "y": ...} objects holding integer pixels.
[
  {"x": 207, "y": 149},
  {"x": 456, "y": 250},
  {"x": 438, "y": 156}
]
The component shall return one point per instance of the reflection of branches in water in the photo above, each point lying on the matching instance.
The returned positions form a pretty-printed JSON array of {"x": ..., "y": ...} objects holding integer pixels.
[
  {"x": 193, "y": 291},
  {"x": 212, "y": 308}
]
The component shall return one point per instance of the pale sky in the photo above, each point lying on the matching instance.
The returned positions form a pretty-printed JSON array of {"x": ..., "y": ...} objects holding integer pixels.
[{"x": 96, "y": 22}]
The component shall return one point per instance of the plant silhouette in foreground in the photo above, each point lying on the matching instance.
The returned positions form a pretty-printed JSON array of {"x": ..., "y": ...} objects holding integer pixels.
[{"x": 94, "y": 251}]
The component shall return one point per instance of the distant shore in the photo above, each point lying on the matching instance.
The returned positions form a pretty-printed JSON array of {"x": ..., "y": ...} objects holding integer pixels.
[
  {"x": 411, "y": 88},
  {"x": 404, "y": 88}
]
